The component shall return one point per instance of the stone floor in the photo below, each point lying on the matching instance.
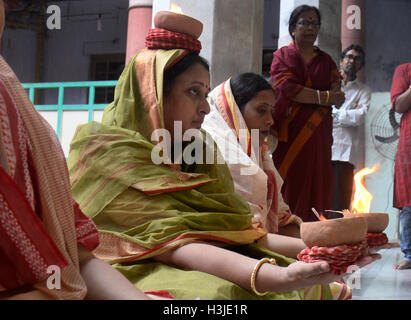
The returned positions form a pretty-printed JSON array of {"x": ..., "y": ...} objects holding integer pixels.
[{"x": 380, "y": 281}]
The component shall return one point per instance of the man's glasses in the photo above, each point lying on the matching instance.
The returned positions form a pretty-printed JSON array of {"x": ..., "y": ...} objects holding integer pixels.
[
  {"x": 353, "y": 58},
  {"x": 306, "y": 24}
]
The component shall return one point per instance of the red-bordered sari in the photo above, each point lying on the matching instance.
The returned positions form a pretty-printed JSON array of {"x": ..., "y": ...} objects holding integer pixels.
[
  {"x": 255, "y": 177},
  {"x": 303, "y": 154},
  {"x": 40, "y": 224}
]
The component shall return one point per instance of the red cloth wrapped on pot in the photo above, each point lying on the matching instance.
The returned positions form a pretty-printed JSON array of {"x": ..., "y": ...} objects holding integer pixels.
[
  {"x": 339, "y": 257},
  {"x": 164, "y": 39},
  {"x": 376, "y": 239}
]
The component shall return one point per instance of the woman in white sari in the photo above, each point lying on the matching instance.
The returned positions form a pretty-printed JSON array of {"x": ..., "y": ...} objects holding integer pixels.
[{"x": 239, "y": 122}]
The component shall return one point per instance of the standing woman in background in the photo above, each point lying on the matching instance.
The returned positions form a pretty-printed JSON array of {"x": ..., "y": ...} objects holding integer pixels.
[{"x": 306, "y": 83}]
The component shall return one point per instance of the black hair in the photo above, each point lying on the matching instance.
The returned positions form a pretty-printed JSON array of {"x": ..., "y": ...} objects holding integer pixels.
[
  {"x": 297, "y": 12},
  {"x": 357, "y": 48},
  {"x": 186, "y": 62},
  {"x": 245, "y": 87}
]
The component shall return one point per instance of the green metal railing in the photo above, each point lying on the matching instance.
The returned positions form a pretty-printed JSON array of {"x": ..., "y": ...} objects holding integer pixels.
[{"x": 60, "y": 106}]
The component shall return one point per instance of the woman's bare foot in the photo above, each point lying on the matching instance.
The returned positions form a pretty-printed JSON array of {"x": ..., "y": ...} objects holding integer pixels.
[{"x": 404, "y": 264}]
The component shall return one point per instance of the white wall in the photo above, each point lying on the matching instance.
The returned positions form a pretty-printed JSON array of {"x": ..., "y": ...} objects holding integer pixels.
[
  {"x": 200, "y": 10},
  {"x": 69, "y": 122},
  {"x": 380, "y": 183}
]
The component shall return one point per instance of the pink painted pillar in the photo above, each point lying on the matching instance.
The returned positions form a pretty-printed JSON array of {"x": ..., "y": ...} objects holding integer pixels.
[
  {"x": 139, "y": 23},
  {"x": 353, "y": 26}
]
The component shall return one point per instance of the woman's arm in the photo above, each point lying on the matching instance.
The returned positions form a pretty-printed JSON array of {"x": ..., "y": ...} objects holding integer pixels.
[
  {"x": 311, "y": 96},
  {"x": 238, "y": 268},
  {"x": 290, "y": 230},
  {"x": 287, "y": 246},
  {"x": 403, "y": 102},
  {"x": 401, "y": 89},
  {"x": 104, "y": 282}
]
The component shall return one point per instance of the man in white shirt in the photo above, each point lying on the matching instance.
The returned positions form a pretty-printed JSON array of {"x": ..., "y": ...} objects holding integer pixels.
[{"x": 348, "y": 126}]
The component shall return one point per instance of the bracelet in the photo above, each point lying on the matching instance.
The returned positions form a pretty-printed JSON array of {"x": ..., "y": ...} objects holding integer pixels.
[
  {"x": 253, "y": 275},
  {"x": 319, "y": 98},
  {"x": 328, "y": 97}
]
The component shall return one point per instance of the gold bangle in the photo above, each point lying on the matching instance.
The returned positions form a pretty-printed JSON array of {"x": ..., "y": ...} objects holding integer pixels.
[{"x": 253, "y": 275}]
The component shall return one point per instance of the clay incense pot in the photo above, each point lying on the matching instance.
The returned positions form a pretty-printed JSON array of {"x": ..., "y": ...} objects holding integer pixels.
[
  {"x": 178, "y": 22},
  {"x": 377, "y": 222},
  {"x": 334, "y": 232}
]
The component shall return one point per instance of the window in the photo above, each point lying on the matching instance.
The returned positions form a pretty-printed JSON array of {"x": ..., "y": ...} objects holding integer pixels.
[{"x": 106, "y": 67}]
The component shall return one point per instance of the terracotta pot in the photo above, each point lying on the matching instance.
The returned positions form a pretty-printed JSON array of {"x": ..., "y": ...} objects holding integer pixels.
[
  {"x": 334, "y": 232},
  {"x": 377, "y": 222},
  {"x": 178, "y": 23}
]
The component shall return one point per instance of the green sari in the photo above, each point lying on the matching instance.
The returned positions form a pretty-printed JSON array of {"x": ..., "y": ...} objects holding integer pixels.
[{"x": 142, "y": 209}]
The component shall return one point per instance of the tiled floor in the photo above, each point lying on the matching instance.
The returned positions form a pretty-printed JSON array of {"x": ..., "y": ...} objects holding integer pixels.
[{"x": 380, "y": 281}]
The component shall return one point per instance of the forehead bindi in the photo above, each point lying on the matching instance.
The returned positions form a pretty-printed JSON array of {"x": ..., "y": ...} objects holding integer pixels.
[
  {"x": 309, "y": 15},
  {"x": 195, "y": 75}
]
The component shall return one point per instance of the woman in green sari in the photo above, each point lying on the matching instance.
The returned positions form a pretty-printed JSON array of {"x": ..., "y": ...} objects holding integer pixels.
[{"x": 176, "y": 226}]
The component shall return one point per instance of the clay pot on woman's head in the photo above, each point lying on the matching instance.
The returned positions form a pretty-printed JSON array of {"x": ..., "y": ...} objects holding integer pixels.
[{"x": 178, "y": 23}]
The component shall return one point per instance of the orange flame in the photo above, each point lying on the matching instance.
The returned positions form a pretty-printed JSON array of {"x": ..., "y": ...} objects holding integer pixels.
[
  {"x": 322, "y": 218},
  {"x": 175, "y": 8},
  {"x": 362, "y": 197},
  {"x": 346, "y": 211}
]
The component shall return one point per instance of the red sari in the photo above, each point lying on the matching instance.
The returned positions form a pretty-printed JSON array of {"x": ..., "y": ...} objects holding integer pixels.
[
  {"x": 402, "y": 171},
  {"x": 40, "y": 224},
  {"x": 303, "y": 154}
]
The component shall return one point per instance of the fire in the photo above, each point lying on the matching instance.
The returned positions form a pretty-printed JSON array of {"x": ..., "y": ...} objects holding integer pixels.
[
  {"x": 175, "y": 8},
  {"x": 322, "y": 218},
  {"x": 362, "y": 197}
]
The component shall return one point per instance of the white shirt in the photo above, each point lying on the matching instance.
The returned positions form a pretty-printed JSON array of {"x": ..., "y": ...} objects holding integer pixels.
[{"x": 348, "y": 124}]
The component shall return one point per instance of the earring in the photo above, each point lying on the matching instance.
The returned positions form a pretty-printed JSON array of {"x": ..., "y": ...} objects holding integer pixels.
[{"x": 293, "y": 34}]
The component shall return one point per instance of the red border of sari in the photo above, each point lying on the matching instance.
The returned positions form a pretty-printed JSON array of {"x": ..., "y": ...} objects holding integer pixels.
[{"x": 25, "y": 240}]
